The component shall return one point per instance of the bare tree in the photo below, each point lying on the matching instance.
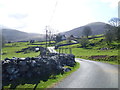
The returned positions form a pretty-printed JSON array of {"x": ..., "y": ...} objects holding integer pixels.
[
  {"x": 87, "y": 31},
  {"x": 114, "y": 21},
  {"x": 113, "y": 30}
]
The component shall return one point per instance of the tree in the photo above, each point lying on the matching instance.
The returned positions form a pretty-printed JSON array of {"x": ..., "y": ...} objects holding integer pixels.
[
  {"x": 58, "y": 38},
  {"x": 69, "y": 39},
  {"x": 84, "y": 42},
  {"x": 109, "y": 37},
  {"x": 87, "y": 31},
  {"x": 113, "y": 30},
  {"x": 118, "y": 33},
  {"x": 114, "y": 21},
  {"x": 2, "y": 41},
  {"x": 0, "y": 44}
]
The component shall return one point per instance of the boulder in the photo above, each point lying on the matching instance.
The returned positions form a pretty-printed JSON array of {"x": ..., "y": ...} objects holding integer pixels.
[{"x": 66, "y": 69}]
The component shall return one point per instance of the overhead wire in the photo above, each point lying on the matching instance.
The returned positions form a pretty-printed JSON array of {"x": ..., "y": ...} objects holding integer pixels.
[{"x": 53, "y": 13}]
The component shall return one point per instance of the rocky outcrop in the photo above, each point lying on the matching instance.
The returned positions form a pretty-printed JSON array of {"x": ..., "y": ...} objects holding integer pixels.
[{"x": 15, "y": 68}]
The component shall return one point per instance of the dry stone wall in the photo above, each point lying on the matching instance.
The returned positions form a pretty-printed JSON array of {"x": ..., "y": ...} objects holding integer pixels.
[{"x": 16, "y": 68}]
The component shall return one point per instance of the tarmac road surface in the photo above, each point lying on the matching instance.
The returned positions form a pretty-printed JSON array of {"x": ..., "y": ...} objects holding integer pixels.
[{"x": 91, "y": 74}]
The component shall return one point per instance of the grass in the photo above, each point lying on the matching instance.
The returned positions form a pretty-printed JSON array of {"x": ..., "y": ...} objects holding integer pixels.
[
  {"x": 71, "y": 46},
  {"x": 51, "y": 82},
  {"x": 89, "y": 52},
  {"x": 43, "y": 42},
  {"x": 43, "y": 84},
  {"x": 86, "y": 53},
  {"x": 63, "y": 42},
  {"x": 110, "y": 62},
  {"x": 96, "y": 35},
  {"x": 94, "y": 50},
  {"x": 10, "y": 50}
]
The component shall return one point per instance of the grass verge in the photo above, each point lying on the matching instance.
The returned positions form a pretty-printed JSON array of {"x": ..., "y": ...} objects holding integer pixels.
[
  {"x": 113, "y": 62},
  {"x": 110, "y": 62},
  {"x": 52, "y": 82}
]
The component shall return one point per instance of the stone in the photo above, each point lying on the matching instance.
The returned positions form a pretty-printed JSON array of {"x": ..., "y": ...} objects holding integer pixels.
[
  {"x": 10, "y": 70},
  {"x": 33, "y": 63},
  {"x": 66, "y": 69},
  {"x": 22, "y": 63},
  {"x": 37, "y": 49},
  {"x": 23, "y": 68},
  {"x": 36, "y": 66}
]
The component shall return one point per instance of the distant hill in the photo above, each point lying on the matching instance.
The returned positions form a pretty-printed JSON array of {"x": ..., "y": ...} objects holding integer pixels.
[
  {"x": 16, "y": 35},
  {"x": 96, "y": 27}
]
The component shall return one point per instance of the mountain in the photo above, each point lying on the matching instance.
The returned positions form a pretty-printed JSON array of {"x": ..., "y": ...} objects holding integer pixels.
[
  {"x": 96, "y": 27},
  {"x": 16, "y": 35}
]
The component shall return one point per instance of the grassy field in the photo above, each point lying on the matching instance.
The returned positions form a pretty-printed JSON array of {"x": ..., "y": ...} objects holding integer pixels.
[
  {"x": 94, "y": 50},
  {"x": 10, "y": 49},
  {"x": 37, "y": 83},
  {"x": 89, "y": 52}
]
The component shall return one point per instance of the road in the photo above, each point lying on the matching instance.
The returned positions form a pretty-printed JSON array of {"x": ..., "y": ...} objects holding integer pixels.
[
  {"x": 91, "y": 74},
  {"x": 52, "y": 50}
]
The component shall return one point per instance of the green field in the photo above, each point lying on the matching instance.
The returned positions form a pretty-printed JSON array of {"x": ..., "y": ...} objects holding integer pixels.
[
  {"x": 10, "y": 49},
  {"x": 89, "y": 52},
  {"x": 95, "y": 50}
]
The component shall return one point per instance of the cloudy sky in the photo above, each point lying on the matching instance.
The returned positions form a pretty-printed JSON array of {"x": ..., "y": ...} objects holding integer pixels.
[{"x": 59, "y": 15}]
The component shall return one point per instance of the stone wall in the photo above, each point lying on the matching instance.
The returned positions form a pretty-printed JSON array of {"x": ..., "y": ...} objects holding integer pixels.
[{"x": 15, "y": 68}]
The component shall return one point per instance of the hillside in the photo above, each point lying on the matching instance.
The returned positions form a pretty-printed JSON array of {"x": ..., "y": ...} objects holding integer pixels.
[
  {"x": 96, "y": 27},
  {"x": 16, "y": 35}
]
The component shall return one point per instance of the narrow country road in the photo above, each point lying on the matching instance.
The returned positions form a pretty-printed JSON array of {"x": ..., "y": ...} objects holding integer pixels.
[
  {"x": 52, "y": 49},
  {"x": 91, "y": 74}
]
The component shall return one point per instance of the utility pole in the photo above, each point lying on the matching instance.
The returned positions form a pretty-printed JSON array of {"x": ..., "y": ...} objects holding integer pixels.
[
  {"x": 49, "y": 37},
  {"x": 46, "y": 36}
]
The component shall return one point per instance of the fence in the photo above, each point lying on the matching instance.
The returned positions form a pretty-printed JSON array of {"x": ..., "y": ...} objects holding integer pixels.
[{"x": 65, "y": 50}]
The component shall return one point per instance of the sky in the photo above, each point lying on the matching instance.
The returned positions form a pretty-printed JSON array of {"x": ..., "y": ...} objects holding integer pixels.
[{"x": 59, "y": 15}]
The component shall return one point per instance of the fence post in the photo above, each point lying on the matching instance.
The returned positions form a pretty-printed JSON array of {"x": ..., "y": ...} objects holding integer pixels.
[
  {"x": 70, "y": 50},
  {"x": 59, "y": 50},
  {"x": 65, "y": 50},
  {"x": 62, "y": 50}
]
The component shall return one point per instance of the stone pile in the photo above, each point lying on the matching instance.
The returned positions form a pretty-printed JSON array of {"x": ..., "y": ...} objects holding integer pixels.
[
  {"x": 15, "y": 68},
  {"x": 34, "y": 48}
]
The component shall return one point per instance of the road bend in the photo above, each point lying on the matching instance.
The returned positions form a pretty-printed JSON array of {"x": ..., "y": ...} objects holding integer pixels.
[{"x": 91, "y": 74}]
